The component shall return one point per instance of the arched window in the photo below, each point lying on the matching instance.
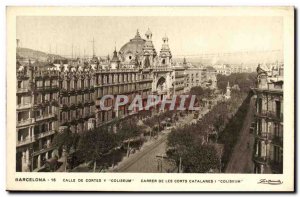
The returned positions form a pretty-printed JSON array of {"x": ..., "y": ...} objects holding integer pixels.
[{"x": 163, "y": 61}]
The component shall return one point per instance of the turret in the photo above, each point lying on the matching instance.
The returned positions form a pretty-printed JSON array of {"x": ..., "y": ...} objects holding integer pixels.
[
  {"x": 148, "y": 35},
  {"x": 185, "y": 63},
  {"x": 148, "y": 50},
  {"x": 115, "y": 62},
  {"x": 165, "y": 53}
]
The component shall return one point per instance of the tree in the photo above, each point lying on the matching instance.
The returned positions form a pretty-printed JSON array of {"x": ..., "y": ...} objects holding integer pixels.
[
  {"x": 200, "y": 159},
  {"x": 156, "y": 120},
  {"x": 197, "y": 90},
  {"x": 187, "y": 151},
  {"x": 93, "y": 144},
  {"x": 244, "y": 80},
  {"x": 128, "y": 131},
  {"x": 66, "y": 140},
  {"x": 190, "y": 145}
]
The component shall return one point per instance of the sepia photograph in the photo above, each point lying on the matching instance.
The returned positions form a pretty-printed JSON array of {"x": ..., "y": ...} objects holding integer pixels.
[{"x": 112, "y": 95}]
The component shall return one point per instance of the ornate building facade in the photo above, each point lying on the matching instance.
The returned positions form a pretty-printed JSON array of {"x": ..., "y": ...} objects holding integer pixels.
[
  {"x": 62, "y": 94},
  {"x": 268, "y": 155}
]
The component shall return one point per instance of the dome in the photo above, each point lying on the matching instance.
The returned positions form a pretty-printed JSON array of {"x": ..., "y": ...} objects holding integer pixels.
[
  {"x": 95, "y": 60},
  {"x": 132, "y": 48}
]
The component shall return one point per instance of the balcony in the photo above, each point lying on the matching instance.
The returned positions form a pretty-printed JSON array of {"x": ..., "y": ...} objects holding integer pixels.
[
  {"x": 179, "y": 88},
  {"x": 161, "y": 69},
  {"x": 179, "y": 76},
  {"x": 262, "y": 135},
  {"x": 44, "y": 117},
  {"x": 47, "y": 88},
  {"x": 265, "y": 89},
  {"x": 64, "y": 91},
  {"x": 277, "y": 140},
  {"x": 24, "y": 106},
  {"x": 260, "y": 159},
  {"x": 271, "y": 115},
  {"x": 25, "y": 122},
  {"x": 45, "y": 134},
  {"x": 275, "y": 116},
  {"x": 25, "y": 142},
  {"x": 22, "y": 90},
  {"x": 63, "y": 106},
  {"x": 44, "y": 149},
  {"x": 146, "y": 80}
]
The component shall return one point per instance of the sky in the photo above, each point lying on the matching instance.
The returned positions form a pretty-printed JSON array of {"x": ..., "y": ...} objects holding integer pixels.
[{"x": 187, "y": 35}]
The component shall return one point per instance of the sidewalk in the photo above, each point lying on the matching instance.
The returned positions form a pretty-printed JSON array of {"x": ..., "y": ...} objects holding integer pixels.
[{"x": 144, "y": 147}]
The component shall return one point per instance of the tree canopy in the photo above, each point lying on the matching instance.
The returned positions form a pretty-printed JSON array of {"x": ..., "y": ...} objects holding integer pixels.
[
  {"x": 66, "y": 139},
  {"x": 94, "y": 143},
  {"x": 244, "y": 80},
  {"x": 195, "y": 157},
  {"x": 191, "y": 143}
]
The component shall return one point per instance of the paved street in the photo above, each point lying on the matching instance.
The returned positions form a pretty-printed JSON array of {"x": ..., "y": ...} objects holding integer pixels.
[
  {"x": 241, "y": 159},
  {"x": 146, "y": 159}
]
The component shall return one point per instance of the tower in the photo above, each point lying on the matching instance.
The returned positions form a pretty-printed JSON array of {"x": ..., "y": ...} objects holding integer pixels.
[
  {"x": 115, "y": 62},
  {"x": 165, "y": 55},
  {"x": 185, "y": 63},
  {"x": 228, "y": 91},
  {"x": 149, "y": 50}
]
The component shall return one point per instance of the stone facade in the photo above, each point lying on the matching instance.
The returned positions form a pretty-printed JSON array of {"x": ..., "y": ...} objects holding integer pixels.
[
  {"x": 66, "y": 93},
  {"x": 268, "y": 155}
]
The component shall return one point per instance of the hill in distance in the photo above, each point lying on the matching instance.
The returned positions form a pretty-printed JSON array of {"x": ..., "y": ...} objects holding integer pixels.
[{"x": 35, "y": 55}]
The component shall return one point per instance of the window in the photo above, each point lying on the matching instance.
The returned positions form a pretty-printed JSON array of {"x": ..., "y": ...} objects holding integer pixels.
[
  {"x": 19, "y": 100},
  {"x": 19, "y": 84},
  {"x": 277, "y": 154},
  {"x": 259, "y": 105},
  {"x": 68, "y": 85},
  {"x": 75, "y": 84},
  {"x": 259, "y": 125},
  {"x": 278, "y": 108},
  {"x": 50, "y": 126}
]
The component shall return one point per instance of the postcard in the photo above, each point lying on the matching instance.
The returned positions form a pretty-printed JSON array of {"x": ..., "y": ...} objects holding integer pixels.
[{"x": 150, "y": 99}]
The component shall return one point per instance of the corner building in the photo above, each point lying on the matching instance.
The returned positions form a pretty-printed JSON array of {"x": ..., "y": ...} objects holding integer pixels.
[{"x": 268, "y": 155}]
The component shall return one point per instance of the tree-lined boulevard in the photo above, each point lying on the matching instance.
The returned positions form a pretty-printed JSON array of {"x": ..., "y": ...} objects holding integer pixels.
[{"x": 202, "y": 141}]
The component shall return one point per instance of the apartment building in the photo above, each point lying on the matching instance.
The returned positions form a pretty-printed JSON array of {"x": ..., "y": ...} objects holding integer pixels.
[
  {"x": 66, "y": 93},
  {"x": 268, "y": 155},
  {"x": 37, "y": 105}
]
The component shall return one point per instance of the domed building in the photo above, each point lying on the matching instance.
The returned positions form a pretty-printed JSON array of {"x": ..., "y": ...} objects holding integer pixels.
[
  {"x": 138, "y": 51},
  {"x": 132, "y": 49}
]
